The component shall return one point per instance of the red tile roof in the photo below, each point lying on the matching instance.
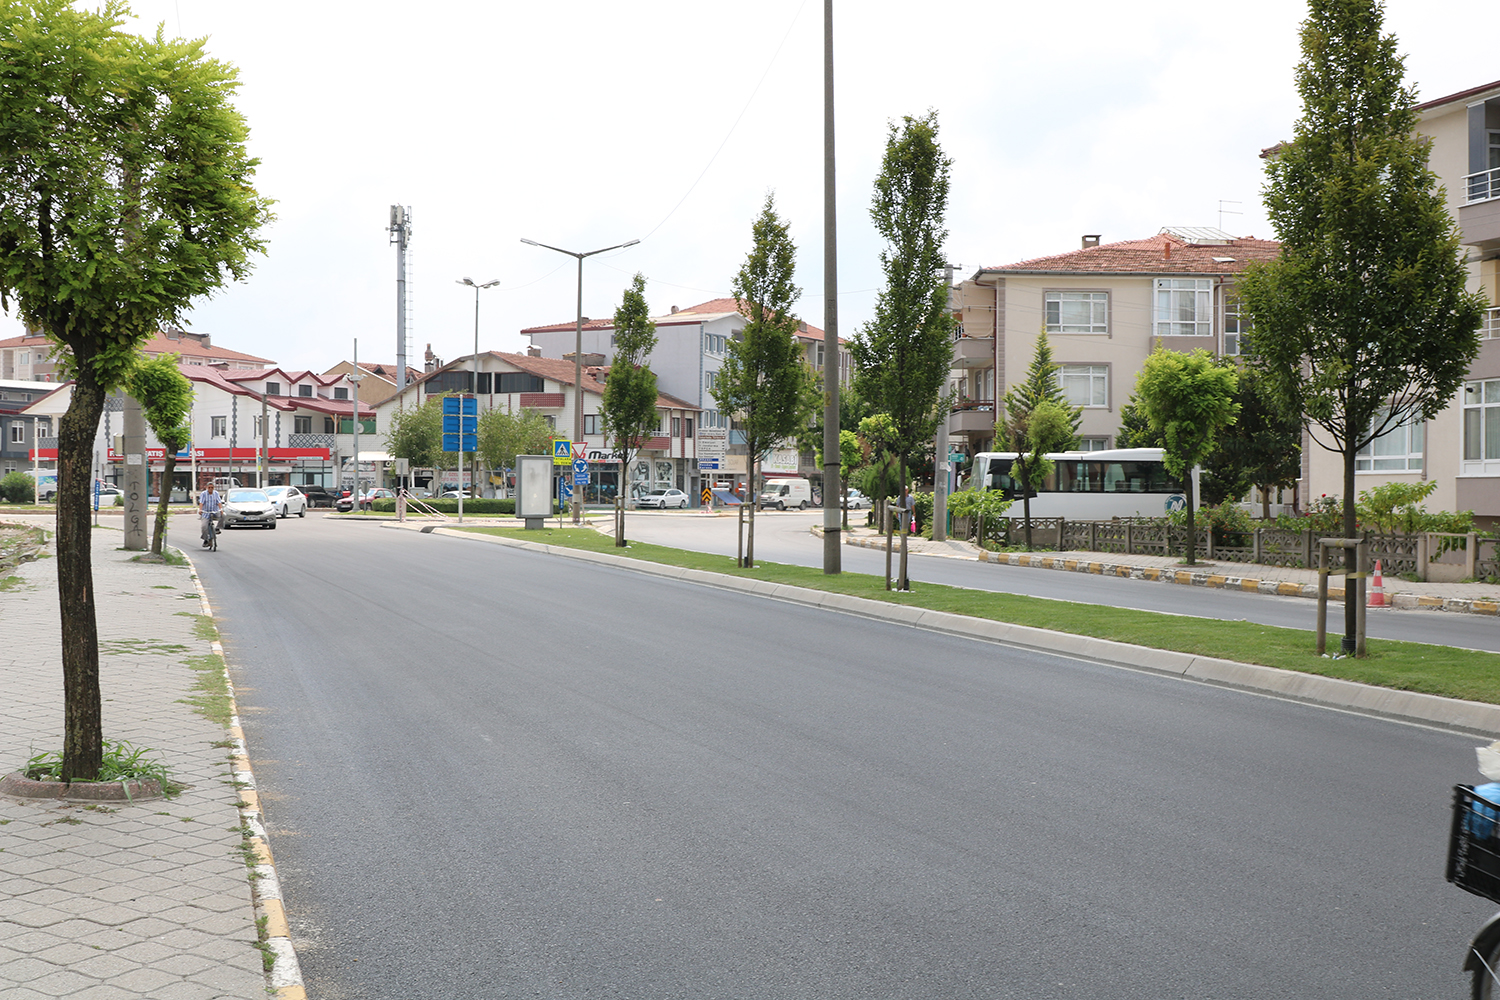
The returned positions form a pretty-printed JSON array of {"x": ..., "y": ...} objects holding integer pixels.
[{"x": 1160, "y": 254}]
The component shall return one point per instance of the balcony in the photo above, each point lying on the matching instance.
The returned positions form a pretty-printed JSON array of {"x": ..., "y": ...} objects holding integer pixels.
[
  {"x": 1483, "y": 186},
  {"x": 974, "y": 352},
  {"x": 973, "y": 418},
  {"x": 1480, "y": 219}
]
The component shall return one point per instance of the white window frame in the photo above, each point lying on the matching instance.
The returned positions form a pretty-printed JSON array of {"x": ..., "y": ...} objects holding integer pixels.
[
  {"x": 1400, "y": 449},
  {"x": 591, "y": 423},
  {"x": 1093, "y": 444},
  {"x": 1098, "y": 384},
  {"x": 1480, "y": 401},
  {"x": 1168, "y": 298},
  {"x": 17, "y": 432},
  {"x": 218, "y": 427},
  {"x": 1054, "y": 313},
  {"x": 1234, "y": 323}
]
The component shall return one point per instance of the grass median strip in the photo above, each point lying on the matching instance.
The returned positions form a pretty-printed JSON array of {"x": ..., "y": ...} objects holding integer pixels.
[{"x": 1404, "y": 666}]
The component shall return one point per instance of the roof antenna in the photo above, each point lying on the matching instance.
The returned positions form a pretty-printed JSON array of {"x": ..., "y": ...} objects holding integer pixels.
[{"x": 1227, "y": 211}]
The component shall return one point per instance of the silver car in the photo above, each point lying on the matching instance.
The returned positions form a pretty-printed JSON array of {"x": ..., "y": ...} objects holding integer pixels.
[
  {"x": 288, "y": 500},
  {"x": 249, "y": 507}
]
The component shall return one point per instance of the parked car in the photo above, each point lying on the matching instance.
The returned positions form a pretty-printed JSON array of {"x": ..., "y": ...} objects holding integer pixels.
[
  {"x": 662, "y": 499},
  {"x": 319, "y": 496},
  {"x": 368, "y": 497},
  {"x": 249, "y": 507},
  {"x": 289, "y": 500},
  {"x": 455, "y": 494},
  {"x": 857, "y": 501}
]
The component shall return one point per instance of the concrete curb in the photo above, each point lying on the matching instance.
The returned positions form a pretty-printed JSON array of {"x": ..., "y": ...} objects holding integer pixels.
[
  {"x": 1477, "y": 718},
  {"x": 1220, "y": 581},
  {"x": 285, "y": 978}
]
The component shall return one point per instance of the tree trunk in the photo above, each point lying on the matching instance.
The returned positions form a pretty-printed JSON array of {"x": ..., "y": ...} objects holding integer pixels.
[
  {"x": 620, "y": 503},
  {"x": 1025, "y": 502},
  {"x": 906, "y": 513},
  {"x": 751, "y": 498},
  {"x": 83, "y": 731},
  {"x": 160, "y": 532},
  {"x": 1352, "y": 592}
]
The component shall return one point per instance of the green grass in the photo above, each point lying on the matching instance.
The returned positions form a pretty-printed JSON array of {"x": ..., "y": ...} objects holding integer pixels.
[
  {"x": 211, "y": 697},
  {"x": 1404, "y": 666},
  {"x": 122, "y": 761}
]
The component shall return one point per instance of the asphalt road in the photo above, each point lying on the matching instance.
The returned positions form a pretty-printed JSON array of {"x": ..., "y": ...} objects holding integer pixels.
[
  {"x": 492, "y": 773},
  {"x": 785, "y": 537}
]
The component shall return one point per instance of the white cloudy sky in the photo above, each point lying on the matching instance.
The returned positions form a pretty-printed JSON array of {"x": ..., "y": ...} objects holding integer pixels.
[{"x": 591, "y": 123}]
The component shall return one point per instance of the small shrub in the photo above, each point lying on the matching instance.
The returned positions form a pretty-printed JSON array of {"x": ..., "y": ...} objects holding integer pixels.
[{"x": 17, "y": 487}]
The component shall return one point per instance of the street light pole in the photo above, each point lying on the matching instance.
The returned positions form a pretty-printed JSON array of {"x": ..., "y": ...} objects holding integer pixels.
[
  {"x": 578, "y": 348},
  {"x": 474, "y": 385}
]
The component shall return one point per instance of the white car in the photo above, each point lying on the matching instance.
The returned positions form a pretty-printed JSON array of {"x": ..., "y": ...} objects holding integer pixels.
[
  {"x": 662, "y": 499},
  {"x": 288, "y": 500},
  {"x": 856, "y": 501},
  {"x": 243, "y": 507}
]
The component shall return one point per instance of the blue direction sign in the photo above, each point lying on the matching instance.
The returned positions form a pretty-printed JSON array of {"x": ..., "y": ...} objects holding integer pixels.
[
  {"x": 460, "y": 423},
  {"x": 580, "y": 472},
  {"x": 564, "y": 490}
]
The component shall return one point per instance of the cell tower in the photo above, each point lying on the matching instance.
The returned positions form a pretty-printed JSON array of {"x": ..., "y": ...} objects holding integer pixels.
[{"x": 400, "y": 230}]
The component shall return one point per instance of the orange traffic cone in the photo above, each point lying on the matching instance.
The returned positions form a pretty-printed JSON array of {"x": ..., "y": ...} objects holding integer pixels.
[{"x": 1377, "y": 591}]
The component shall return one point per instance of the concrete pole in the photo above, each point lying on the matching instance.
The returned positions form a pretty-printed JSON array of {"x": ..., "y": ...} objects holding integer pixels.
[
  {"x": 941, "y": 474},
  {"x": 137, "y": 483},
  {"x": 265, "y": 441},
  {"x": 832, "y": 453},
  {"x": 354, "y": 410}
]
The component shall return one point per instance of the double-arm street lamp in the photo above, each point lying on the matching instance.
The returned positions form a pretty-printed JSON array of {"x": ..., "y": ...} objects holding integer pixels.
[
  {"x": 578, "y": 348},
  {"x": 474, "y": 386}
]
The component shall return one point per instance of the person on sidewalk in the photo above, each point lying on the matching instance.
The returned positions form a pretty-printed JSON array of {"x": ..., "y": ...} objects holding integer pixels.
[{"x": 209, "y": 506}]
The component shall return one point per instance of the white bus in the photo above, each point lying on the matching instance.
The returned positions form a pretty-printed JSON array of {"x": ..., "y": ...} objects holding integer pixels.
[{"x": 1089, "y": 485}]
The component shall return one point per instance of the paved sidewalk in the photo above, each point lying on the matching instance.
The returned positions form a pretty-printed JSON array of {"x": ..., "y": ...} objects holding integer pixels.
[
  {"x": 1472, "y": 598},
  {"x": 119, "y": 900}
]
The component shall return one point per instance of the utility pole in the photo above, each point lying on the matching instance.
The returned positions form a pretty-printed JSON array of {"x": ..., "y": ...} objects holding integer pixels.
[
  {"x": 400, "y": 229},
  {"x": 832, "y": 454}
]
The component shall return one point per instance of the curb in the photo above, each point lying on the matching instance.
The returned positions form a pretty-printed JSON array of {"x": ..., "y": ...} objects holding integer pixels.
[
  {"x": 1471, "y": 717},
  {"x": 285, "y": 977},
  {"x": 1219, "y": 581}
]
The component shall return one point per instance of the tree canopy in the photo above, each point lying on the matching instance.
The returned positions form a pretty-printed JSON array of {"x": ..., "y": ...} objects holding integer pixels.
[
  {"x": 1189, "y": 399},
  {"x": 761, "y": 382},
  {"x": 628, "y": 409},
  {"x": 166, "y": 398},
  {"x": 903, "y": 355},
  {"x": 126, "y": 191},
  {"x": 1037, "y": 419}
]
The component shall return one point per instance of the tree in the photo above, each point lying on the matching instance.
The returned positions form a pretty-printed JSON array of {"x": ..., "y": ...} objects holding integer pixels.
[
  {"x": 125, "y": 194},
  {"x": 416, "y": 434},
  {"x": 903, "y": 355},
  {"x": 1037, "y": 419},
  {"x": 851, "y": 456},
  {"x": 504, "y": 434},
  {"x": 762, "y": 380},
  {"x": 629, "y": 404},
  {"x": 1362, "y": 323},
  {"x": 1189, "y": 399},
  {"x": 166, "y": 398},
  {"x": 1262, "y": 448},
  {"x": 1135, "y": 430}
]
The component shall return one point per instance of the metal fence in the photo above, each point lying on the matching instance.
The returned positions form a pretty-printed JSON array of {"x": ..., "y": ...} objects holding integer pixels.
[{"x": 1425, "y": 555}]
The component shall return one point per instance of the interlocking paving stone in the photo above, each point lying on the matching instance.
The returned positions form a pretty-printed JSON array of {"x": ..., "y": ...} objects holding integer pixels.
[{"x": 125, "y": 900}]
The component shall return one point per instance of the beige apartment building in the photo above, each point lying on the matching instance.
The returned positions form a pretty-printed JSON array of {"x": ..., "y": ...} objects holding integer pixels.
[
  {"x": 1459, "y": 449},
  {"x": 1104, "y": 307}
]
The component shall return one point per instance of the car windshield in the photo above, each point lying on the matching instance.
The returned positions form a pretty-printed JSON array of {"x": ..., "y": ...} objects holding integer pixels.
[
  {"x": 657, "y": 493},
  {"x": 276, "y": 491},
  {"x": 248, "y": 496}
]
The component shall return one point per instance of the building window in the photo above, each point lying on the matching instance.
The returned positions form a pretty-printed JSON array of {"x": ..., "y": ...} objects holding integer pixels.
[
  {"x": 520, "y": 382},
  {"x": 1084, "y": 385},
  {"x": 677, "y": 427},
  {"x": 709, "y": 378},
  {"x": 551, "y": 420},
  {"x": 17, "y": 432},
  {"x": 1482, "y": 421},
  {"x": 1235, "y": 325},
  {"x": 1093, "y": 444},
  {"x": 302, "y": 425},
  {"x": 304, "y": 390},
  {"x": 273, "y": 388},
  {"x": 341, "y": 393},
  {"x": 1397, "y": 450},
  {"x": 24, "y": 358},
  {"x": 1184, "y": 307},
  {"x": 218, "y": 426},
  {"x": 591, "y": 423},
  {"x": 328, "y": 425},
  {"x": 1076, "y": 312},
  {"x": 687, "y": 427}
]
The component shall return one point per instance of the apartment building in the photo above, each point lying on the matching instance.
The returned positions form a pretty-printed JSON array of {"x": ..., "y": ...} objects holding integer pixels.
[{"x": 1104, "y": 308}]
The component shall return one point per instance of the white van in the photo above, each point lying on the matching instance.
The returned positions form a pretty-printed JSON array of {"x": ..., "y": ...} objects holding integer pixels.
[{"x": 786, "y": 491}]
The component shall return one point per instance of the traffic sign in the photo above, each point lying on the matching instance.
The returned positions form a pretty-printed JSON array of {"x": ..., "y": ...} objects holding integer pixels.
[
  {"x": 562, "y": 451},
  {"x": 580, "y": 470},
  {"x": 460, "y": 422},
  {"x": 708, "y": 497},
  {"x": 564, "y": 490}
]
